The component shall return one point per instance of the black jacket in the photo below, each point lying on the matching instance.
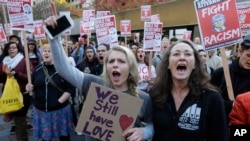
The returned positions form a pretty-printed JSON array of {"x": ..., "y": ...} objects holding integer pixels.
[{"x": 45, "y": 95}]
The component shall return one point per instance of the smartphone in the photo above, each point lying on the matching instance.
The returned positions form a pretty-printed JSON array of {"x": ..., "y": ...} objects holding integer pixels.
[{"x": 64, "y": 22}]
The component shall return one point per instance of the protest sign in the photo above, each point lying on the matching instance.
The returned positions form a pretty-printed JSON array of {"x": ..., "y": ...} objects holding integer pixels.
[
  {"x": 187, "y": 35},
  {"x": 125, "y": 28},
  {"x": 218, "y": 23},
  {"x": 39, "y": 32},
  {"x": 20, "y": 14},
  {"x": 145, "y": 12},
  {"x": 88, "y": 19},
  {"x": 3, "y": 2},
  {"x": 152, "y": 36},
  {"x": 84, "y": 31},
  {"x": 106, "y": 30},
  {"x": 3, "y": 38},
  {"x": 155, "y": 18},
  {"x": 102, "y": 13},
  {"x": 244, "y": 16},
  {"x": 107, "y": 113}
]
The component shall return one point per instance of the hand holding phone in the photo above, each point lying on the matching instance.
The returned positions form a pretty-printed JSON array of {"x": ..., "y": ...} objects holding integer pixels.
[{"x": 64, "y": 22}]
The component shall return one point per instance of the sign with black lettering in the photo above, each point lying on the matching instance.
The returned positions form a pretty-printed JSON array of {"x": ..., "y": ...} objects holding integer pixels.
[
  {"x": 218, "y": 23},
  {"x": 107, "y": 113}
]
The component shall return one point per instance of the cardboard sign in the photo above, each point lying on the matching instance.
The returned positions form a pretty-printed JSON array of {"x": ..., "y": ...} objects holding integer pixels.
[
  {"x": 145, "y": 12},
  {"x": 88, "y": 19},
  {"x": 102, "y": 13},
  {"x": 187, "y": 35},
  {"x": 107, "y": 113},
  {"x": 39, "y": 32},
  {"x": 106, "y": 30},
  {"x": 20, "y": 14},
  {"x": 3, "y": 38},
  {"x": 218, "y": 23},
  {"x": 244, "y": 16},
  {"x": 152, "y": 36},
  {"x": 125, "y": 28}
]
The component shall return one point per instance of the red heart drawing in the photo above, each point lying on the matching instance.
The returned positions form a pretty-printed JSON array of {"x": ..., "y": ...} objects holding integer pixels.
[{"x": 125, "y": 121}]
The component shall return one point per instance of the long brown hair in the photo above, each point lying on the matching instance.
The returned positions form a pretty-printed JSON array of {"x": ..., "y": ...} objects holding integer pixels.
[{"x": 198, "y": 80}]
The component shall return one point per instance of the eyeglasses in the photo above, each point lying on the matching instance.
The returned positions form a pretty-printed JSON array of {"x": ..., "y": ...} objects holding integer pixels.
[{"x": 12, "y": 47}]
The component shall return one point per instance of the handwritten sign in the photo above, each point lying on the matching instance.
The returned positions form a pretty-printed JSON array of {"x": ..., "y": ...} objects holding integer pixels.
[
  {"x": 218, "y": 23},
  {"x": 107, "y": 113}
]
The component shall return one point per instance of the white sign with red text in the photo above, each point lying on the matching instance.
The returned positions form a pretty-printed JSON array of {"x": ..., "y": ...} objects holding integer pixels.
[
  {"x": 187, "y": 35},
  {"x": 39, "y": 32},
  {"x": 125, "y": 28},
  {"x": 152, "y": 36},
  {"x": 20, "y": 14},
  {"x": 3, "y": 38},
  {"x": 3, "y": 2},
  {"x": 84, "y": 31},
  {"x": 106, "y": 30},
  {"x": 88, "y": 19},
  {"x": 102, "y": 13},
  {"x": 145, "y": 12},
  {"x": 155, "y": 18}
]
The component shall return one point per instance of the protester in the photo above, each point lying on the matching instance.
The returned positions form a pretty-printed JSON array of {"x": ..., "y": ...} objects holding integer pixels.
[
  {"x": 157, "y": 59},
  {"x": 90, "y": 62},
  {"x": 240, "y": 114},
  {"x": 13, "y": 63},
  {"x": 203, "y": 57},
  {"x": 102, "y": 49},
  {"x": 34, "y": 53},
  {"x": 145, "y": 79},
  {"x": 214, "y": 61},
  {"x": 51, "y": 94},
  {"x": 186, "y": 107},
  {"x": 119, "y": 72},
  {"x": 78, "y": 51},
  {"x": 239, "y": 71}
]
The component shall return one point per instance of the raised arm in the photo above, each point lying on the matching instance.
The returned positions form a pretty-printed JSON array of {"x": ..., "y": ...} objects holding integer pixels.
[{"x": 62, "y": 65}]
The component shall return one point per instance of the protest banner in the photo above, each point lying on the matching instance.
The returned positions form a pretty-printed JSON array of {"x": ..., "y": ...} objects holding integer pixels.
[
  {"x": 106, "y": 113},
  {"x": 88, "y": 19},
  {"x": 152, "y": 36},
  {"x": 125, "y": 28},
  {"x": 84, "y": 31},
  {"x": 20, "y": 15},
  {"x": 3, "y": 38},
  {"x": 106, "y": 30},
  {"x": 187, "y": 35},
  {"x": 102, "y": 13},
  {"x": 39, "y": 32},
  {"x": 243, "y": 9},
  {"x": 145, "y": 12},
  {"x": 218, "y": 23},
  {"x": 155, "y": 18}
]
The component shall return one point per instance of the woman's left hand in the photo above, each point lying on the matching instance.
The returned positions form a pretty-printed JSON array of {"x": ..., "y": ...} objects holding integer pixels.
[{"x": 134, "y": 134}]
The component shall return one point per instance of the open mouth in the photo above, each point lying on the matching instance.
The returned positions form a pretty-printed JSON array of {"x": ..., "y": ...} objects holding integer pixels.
[
  {"x": 181, "y": 68},
  {"x": 116, "y": 76},
  {"x": 101, "y": 57}
]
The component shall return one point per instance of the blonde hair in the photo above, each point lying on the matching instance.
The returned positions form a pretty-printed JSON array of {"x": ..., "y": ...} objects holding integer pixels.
[
  {"x": 133, "y": 77},
  {"x": 45, "y": 46}
]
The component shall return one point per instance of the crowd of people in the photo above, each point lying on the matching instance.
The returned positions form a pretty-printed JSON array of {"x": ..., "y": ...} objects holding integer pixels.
[{"x": 183, "y": 86}]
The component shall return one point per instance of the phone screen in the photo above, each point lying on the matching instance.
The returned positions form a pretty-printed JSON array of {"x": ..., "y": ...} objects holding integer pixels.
[{"x": 62, "y": 24}]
